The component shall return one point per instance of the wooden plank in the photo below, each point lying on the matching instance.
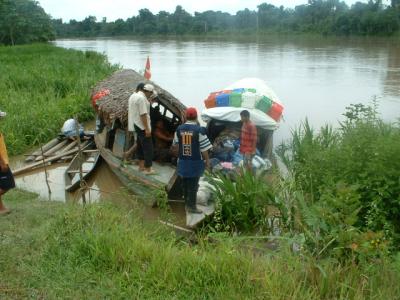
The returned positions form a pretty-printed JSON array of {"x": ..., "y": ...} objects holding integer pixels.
[
  {"x": 192, "y": 220},
  {"x": 38, "y": 164},
  {"x": 52, "y": 150},
  {"x": 66, "y": 158},
  {"x": 77, "y": 171},
  {"x": 46, "y": 147},
  {"x": 177, "y": 228},
  {"x": 69, "y": 146},
  {"x": 119, "y": 143}
]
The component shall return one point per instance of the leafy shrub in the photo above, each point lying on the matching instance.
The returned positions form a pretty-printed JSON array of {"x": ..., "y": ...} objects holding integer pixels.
[
  {"x": 242, "y": 203},
  {"x": 361, "y": 157}
]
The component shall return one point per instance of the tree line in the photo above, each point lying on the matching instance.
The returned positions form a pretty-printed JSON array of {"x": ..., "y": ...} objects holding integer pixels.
[
  {"x": 317, "y": 16},
  {"x": 24, "y": 21}
]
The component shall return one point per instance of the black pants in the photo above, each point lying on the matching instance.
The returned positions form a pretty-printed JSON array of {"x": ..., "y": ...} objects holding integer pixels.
[
  {"x": 6, "y": 180},
  {"x": 144, "y": 150},
  {"x": 190, "y": 187}
]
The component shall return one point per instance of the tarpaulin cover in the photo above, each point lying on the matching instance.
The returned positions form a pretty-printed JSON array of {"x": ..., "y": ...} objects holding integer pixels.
[{"x": 232, "y": 114}]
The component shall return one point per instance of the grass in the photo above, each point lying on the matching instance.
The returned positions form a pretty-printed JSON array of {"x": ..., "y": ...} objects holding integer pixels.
[
  {"x": 41, "y": 86},
  {"x": 52, "y": 250}
]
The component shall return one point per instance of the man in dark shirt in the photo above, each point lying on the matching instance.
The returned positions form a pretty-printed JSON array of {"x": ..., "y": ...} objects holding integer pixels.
[{"x": 193, "y": 157}]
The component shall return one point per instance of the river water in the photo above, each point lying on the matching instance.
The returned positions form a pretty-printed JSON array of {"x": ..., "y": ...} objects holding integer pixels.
[{"x": 315, "y": 78}]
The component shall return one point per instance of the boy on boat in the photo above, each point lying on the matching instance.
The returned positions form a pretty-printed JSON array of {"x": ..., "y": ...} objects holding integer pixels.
[
  {"x": 248, "y": 140},
  {"x": 6, "y": 176},
  {"x": 193, "y": 157}
]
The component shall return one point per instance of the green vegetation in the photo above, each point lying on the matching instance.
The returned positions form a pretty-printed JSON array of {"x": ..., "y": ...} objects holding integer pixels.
[
  {"x": 344, "y": 193},
  {"x": 326, "y": 17},
  {"x": 24, "y": 21},
  {"x": 41, "y": 86},
  {"x": 241, "y": 203},
  {"x": 341, "y": 198},
  {"x": 52, "y": 250}
]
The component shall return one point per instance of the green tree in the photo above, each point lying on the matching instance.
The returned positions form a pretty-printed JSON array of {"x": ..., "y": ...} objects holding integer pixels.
[
  {"x": 146, "y": 22},
  {"x": 181, "y": 21},
  {"x": 24, "y": 21}
]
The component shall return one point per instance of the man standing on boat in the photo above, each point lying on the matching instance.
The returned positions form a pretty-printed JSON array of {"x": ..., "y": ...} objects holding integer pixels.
[
  {"x": 248, "y": 140},
  {"x": 139, "y": 120},
  {"x": 6, "y": 177},
  {"x": 193, "y": 148}
]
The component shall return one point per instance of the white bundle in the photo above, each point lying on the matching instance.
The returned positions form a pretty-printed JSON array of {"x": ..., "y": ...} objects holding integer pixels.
[
  {"x": 204, "y": 192},
  {"x": 249, "y": 99}
]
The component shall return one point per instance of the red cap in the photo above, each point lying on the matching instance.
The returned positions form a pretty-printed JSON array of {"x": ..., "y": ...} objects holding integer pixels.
[{"x": 191, "y": 113}]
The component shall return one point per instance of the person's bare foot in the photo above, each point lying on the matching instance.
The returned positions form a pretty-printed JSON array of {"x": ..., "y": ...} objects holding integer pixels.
[{"x": 149, "y": 171}]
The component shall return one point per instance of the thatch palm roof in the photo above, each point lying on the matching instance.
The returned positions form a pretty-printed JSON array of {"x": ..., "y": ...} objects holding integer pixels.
[{"x": 121, "y": 85}]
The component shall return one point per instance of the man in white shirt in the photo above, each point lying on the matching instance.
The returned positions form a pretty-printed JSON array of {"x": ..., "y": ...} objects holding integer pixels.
[
  {"x": 139, "y": 120},
  {"x": 69, "y": 128}
]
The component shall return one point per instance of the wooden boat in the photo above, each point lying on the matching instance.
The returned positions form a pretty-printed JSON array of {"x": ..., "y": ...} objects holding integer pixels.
[
  {"x": 112, "y": 139},
  {"x": 89, "y": 159}
]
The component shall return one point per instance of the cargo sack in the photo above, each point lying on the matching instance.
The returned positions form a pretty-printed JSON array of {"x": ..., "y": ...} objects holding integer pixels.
[
  {"x": 264, "y": 104},
  {"x": 276, "y": 111},
  {"x": 235, "y": 100},
  {"x": 249, "y": 100},
  {"x": 210, "y": 102},
  {"x": 222, "y": 100}
]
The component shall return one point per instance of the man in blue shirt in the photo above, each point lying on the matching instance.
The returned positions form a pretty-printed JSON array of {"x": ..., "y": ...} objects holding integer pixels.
[{"x": 193, "y": 157}]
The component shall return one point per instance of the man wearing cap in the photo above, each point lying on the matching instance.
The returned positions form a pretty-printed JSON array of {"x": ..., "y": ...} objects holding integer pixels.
[
  {"x": 6, "y": 177},
  {"x": 139, "y": 120},
  {"x": 193, "y": 148}
]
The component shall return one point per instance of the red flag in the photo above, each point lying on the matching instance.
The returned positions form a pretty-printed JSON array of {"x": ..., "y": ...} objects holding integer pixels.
[{"x": 147, "y": 72}]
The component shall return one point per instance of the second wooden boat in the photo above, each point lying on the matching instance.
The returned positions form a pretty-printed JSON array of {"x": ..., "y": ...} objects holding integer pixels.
[{"x": 88, "y": 159}]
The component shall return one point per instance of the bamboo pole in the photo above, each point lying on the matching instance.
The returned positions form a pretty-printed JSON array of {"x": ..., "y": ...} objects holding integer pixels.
[
  {"x": 53, "y": 150},
  {"x": 40, "y": 163},
  {"x": 80, "y": 155},
  {"x": 46, "y": 147},
  {"x": 46, "y": 175}
]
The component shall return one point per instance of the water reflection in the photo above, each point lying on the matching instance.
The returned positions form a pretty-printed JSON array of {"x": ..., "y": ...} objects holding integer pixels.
[{"x": 103, "y": 184}]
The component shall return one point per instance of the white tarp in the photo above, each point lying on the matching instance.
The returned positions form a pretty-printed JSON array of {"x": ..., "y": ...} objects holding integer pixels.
[{"x": 232, "y": 114}]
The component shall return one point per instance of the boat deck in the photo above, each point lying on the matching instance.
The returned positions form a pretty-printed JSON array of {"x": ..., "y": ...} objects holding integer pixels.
[{"x": 163, "y": 174}]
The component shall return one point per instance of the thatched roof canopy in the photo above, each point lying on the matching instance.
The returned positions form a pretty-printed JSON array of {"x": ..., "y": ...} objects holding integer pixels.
[{"x": 121, "y": 86}]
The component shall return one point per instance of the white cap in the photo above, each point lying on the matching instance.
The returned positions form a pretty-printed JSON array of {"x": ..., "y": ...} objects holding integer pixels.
[
  {"x": 149, "y": 87},
  {"x": 2, "y": 114},
  {"x": 154, "y": 95}
]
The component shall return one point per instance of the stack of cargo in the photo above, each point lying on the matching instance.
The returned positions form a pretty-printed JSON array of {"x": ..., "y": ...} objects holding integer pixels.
[{"x": 246, "y": 98}]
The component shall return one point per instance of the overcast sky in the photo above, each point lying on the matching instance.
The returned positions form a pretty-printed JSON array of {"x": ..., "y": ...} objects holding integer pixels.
[{"x": 114, "y": 9}]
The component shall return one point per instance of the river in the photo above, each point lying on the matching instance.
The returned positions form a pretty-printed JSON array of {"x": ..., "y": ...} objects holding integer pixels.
[{"x": 314, "y": 77}]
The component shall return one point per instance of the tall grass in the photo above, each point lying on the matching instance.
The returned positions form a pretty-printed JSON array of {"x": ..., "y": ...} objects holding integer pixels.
[
  {"x": 51, "y": 251},
  {"x": 41, "y": 86}
]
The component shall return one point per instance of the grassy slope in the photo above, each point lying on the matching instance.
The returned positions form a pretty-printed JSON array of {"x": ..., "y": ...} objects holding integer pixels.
[
  {"x": 53, "y": 251},
  {"x": 41, "y": 86}
]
